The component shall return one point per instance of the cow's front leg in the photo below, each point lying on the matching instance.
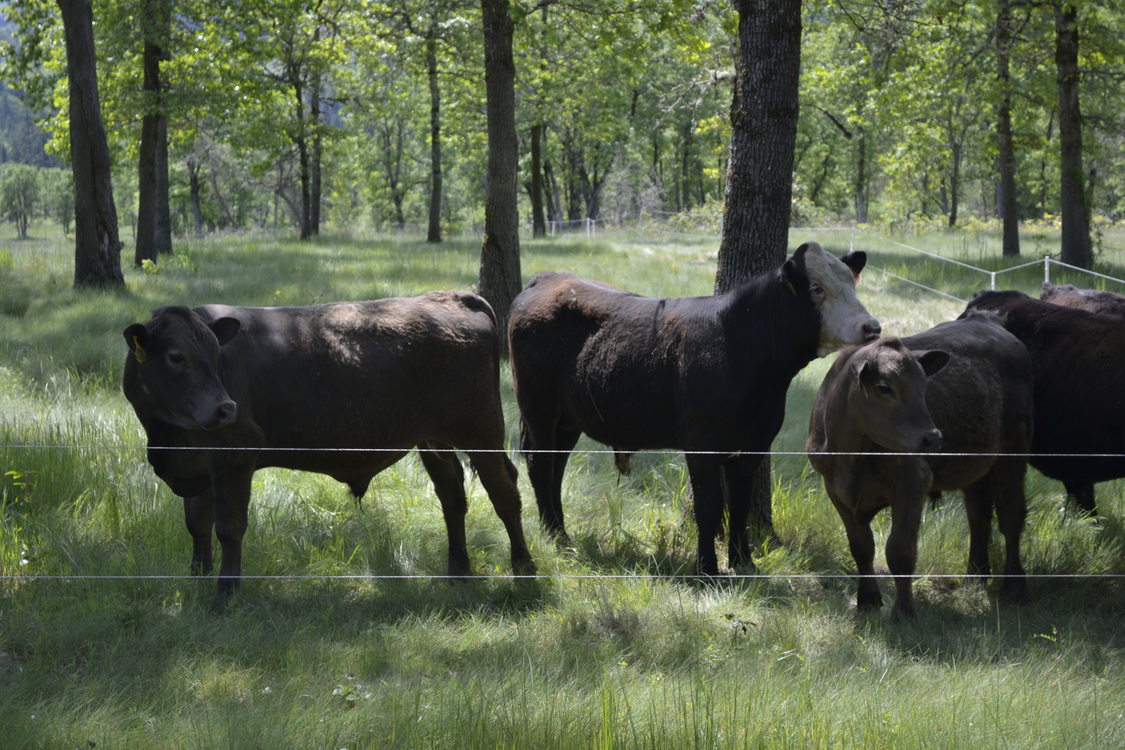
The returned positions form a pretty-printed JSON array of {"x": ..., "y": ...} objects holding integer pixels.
[
  {"x": 746, "y": 510},
  {"x": 200, "y": 520},
  {"x": 231, "y": 506},
  {"x": 902, "y": 550},
  {"x": 708, "y": 500},
  {"x": 861, "y": 542}
]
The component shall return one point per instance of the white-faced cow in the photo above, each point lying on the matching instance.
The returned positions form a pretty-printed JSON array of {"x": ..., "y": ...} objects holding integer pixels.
[
  {"x": 706, "y": 375},
  {"x": 1079, "y": 361},
  {"x": 223, "y": 391},
  {"x": 963, "y": 386}
]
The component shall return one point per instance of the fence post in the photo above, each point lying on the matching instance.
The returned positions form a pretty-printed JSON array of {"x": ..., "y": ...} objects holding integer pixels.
[
  {"x": 1046, "y": 269},
  {"x": 992, "y": 281}
]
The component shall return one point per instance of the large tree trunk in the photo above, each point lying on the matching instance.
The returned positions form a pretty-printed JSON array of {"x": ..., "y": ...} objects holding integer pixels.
[
  {"x": 433, "y": 232},
  {"x": 760, "y": 171},
  {"x": 1006, "y": 158},
  {"x": 1075, "y": 220},
  {"x": 154, "y": 220},
  {"x": 500, "y": 279},
  {"x": 97, "y": 248}
]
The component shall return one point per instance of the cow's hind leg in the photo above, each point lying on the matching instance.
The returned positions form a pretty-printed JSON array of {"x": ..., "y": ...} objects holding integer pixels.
[
  {"x": 707, "y": 495},
  {"x": 449, "y": 484},
  {"x": 978, "y": 509},
  {"x": 498, "y": 476},
  {"x": 200, "y": 520},
  {"x": 1011, "y": 515},
  {"x": 547, "y": 452},
  {"x": 739, "y": 474},
  {"x": 1082, "y": 495}
]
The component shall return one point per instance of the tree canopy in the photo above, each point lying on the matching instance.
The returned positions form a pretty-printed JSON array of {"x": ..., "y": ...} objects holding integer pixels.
[{"x": 303, "y": 113}]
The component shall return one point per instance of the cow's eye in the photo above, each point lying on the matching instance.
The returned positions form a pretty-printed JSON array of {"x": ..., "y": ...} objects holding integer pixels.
[
  {"x": 885, "y": 390},
  {"x": 817, "y": 290},
  {"x": 176, "y": 358}
]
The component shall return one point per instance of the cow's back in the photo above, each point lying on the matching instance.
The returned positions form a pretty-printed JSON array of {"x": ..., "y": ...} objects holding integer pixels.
[
  {"x": 610, "y": 362},
  {"x": 1079, "y": 396},
  {"x": 383, "y": 373},
  {"x": 981, "y": 400}
]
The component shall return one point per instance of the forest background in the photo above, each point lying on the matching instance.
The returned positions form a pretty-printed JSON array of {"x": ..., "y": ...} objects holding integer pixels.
[{"x": 293, "y": 114}]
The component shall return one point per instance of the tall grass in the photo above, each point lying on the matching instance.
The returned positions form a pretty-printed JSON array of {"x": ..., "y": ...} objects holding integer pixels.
[{"x": 597, "y": 653}]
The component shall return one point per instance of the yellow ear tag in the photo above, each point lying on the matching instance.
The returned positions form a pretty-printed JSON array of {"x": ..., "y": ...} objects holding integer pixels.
[{"x": 138, "y": 351}]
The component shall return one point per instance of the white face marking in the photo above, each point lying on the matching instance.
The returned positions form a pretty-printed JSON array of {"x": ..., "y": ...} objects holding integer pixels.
[{"x": 843, "y": 318}]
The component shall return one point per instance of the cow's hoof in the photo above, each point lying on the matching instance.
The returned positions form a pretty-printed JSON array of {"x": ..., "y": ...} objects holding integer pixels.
[
  {"x": 524, "y": 566},
  {"x": 866, "y": 603},
  {"x": 1015, "y": 594}
]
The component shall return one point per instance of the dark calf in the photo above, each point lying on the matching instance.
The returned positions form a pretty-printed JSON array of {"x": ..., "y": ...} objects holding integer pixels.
[{"x": 964, "y": 386}]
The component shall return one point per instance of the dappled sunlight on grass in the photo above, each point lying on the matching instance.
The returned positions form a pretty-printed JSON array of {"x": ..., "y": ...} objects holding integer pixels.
[{"x": 616, "y": 645}]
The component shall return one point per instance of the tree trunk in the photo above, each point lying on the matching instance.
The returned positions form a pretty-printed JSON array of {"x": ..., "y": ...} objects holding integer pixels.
[
  {"x": 97, "y": 248},
  {"x": 538, "y": 218},
  {"x": 954, "y": 182},
  {"x": 1006, "y": 159},
  {"x": 154, "y": 219},
  {"x": 760, "y": 171},
  {"x": 433, "y": 233},
  {"x": 500, "y": 279},
  {"x": 315, "y": 200},
  {"x": 193, "y": 168},
  {"x": 1075, "y": 220},
  {"x": 860, "y": 191}
]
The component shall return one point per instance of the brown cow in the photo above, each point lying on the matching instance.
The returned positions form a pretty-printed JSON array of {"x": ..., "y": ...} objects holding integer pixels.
[
  {"x": 265, "y": 383},
  {"x": 964, "y": 385},
  {"x": 1091, "y": 300}
]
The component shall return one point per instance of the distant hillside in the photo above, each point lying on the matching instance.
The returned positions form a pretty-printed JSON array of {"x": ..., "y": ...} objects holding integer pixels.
[{"x": 21, "y": 140}]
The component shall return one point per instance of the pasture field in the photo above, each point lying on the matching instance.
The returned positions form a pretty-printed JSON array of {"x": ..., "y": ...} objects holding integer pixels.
[{"x": 105, "y": 644}]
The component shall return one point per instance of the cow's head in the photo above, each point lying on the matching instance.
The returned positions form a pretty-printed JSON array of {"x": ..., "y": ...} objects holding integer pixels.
[
  {"x": 174, "y": 358},
  {"x": 887, "y": 395},
  {"x": 831, "y": 283}
]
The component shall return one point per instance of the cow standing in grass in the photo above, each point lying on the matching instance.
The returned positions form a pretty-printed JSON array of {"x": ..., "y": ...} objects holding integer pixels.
[
  {"x": 706, "y": 375},
  {"x": 1079, "y": 361},
  {"x": 344, "y": 389},
  {"x": 964, "y": 386}
]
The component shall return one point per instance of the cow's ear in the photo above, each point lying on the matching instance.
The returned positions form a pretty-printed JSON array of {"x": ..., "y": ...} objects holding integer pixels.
[
  {"x": 225, "y": 329},
  {"x": 136, "y": 336},
  {"x": 932, "y": 360},
  {"x": 856, "y": 260},
  {"x": 793, "y": 275},
  {"x": 865, "y": 371}
]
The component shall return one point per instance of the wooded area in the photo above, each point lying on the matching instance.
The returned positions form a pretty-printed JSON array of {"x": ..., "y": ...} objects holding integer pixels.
[{"x": 290, "y": 113}]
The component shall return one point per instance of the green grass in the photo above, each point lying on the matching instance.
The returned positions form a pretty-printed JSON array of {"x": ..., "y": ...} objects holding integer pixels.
[{"x": 570, "y": 660}]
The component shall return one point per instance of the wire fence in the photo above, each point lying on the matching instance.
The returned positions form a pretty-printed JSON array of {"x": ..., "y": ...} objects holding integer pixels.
[{"x": 678, "y": 224}]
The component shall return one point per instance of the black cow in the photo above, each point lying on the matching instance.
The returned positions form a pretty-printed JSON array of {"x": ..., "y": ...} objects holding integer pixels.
[
  {"x": 1091, "y": 300},
  {"x": 964, "y": 386},
  {"x": 1079, "y": 361},
  {"x": 707, "y": 375},
  {"x": 262, "y": 385}
]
